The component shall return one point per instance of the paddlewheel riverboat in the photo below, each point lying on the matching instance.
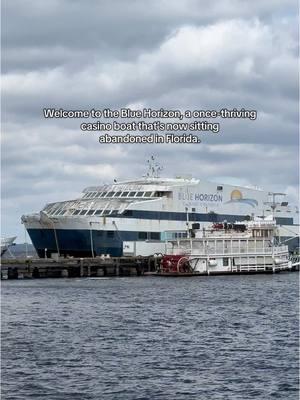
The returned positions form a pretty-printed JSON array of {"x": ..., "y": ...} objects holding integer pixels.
[{"x": 242, "y": 247}]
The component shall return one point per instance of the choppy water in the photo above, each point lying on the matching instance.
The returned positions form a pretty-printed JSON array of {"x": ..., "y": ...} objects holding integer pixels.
[{"x": 231, "y": 337}]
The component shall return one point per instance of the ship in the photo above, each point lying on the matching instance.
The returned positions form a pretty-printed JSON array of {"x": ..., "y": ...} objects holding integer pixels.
[
  {"x": 6, "y": 242},
  {"x": 224, "y": 248},
  {"x": 143, "y": 209}
]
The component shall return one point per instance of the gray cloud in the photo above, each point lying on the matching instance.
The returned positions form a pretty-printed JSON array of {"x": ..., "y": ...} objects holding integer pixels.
[{"x": 75, "y": 54}]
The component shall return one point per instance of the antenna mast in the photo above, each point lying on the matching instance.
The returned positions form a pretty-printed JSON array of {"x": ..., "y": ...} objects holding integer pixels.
[{"x": 154, "y": 168}]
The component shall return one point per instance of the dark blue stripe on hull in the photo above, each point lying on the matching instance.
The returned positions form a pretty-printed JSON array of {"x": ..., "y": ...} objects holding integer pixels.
[{"x": 193, "y": 216}]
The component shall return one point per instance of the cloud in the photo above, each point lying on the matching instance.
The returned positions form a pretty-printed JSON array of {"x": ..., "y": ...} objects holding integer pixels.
[{"x": 172, "y": 55}]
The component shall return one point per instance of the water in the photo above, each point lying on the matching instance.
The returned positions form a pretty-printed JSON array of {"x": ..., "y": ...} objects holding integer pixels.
[{"x": 227, "y": 337}]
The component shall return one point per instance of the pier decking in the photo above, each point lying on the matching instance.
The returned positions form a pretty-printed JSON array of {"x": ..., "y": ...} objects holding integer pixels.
[{"x": 77, "y": 267}]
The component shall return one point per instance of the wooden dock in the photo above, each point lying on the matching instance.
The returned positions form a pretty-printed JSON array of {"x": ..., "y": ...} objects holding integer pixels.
[
  {"x": 20, "y": 268},
  {"x": 77, "y": 267}
]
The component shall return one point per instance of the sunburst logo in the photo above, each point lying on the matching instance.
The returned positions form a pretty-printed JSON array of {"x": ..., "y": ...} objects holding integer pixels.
[{"x": 236, "y": 196}]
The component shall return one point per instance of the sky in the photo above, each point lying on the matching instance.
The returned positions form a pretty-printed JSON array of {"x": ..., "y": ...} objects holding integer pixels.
[{"x": 190, "y": 54}]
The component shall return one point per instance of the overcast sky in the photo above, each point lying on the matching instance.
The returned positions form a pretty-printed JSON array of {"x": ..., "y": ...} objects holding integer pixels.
[{"x": 188, "y": 54}]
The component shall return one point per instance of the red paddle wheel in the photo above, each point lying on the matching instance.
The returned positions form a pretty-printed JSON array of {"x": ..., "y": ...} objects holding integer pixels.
[{"x": 175, "y": 264}]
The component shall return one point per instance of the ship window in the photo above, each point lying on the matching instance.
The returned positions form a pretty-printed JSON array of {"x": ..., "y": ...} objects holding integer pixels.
[
  {"x": 148, "y": 194},
  {"x": 82, "y": 212},
  {"x": 99, "y": 194},
  {"x": 98, "y": 212},
  {"x": 132, "y": 194},
  {"x": 124, "y": 194},
  {"x": 162, "y": 194},
  {"x": 139, "y": 194},
  {"x": 62, "y": 212},
  {"x": 128, "y": 213},
  {"x": 142, "y": 235},
  {"x": 225, "y": 262},
  {"x": 103, "y": 194},
  {"x": 193, "y": 209},
  {"x": 110, "y": 194},
  {"x": 118, "y": 194},
  {"x": 220, "y": 188},
  {"x": 110, "y": 234},
  {"x": 106, "y": 212},
  {"x": 154, "y": 235},
  {"x": 76, "y": 212},
  {"x": 90, "y": 212},
  {"x": 57, "y": 211}
]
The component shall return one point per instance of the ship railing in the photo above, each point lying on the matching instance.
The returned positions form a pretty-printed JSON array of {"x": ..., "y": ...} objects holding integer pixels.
[
  {"x": 214, "y": 252},
  {"x": 221, "y": 247},
  {"x": 257, "y": 268}
]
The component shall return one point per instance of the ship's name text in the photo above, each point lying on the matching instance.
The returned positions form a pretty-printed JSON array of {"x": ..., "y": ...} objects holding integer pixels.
[{"x": 200, "y": 197}]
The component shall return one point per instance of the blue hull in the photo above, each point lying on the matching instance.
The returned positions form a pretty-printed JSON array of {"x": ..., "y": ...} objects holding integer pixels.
[{"x": 77, "y": 243}]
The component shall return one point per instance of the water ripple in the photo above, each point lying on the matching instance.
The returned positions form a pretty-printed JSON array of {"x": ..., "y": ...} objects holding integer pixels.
[{"x": 232, "y": 337}]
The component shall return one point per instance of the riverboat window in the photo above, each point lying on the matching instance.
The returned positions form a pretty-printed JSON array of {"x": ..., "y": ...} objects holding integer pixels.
[
  {"x": 82, "y": 212},
  {"x": 118, "y": 194},
  {"x": 142, "y": 235},
  {"x": 110, "y": 234},
  {"x": 90, "y": 212},
  {"x": 98, "y": 194},
  {"x": 76, "y": 212},
  {"x": 225, "y": 262},
  {"x": 98, "y": 212},
  {"x": 62, "y": 212},
  {"x": 139, "y": 194},
  {"x": 124, "y": 194},
  {"x": 193, "y": 209},
  {"x": 103, "y": 194},
  {"x": 106, "y": 212},
  {"x": 110, "y": 194},
  {"x": 148, "y": 194},
  {"x": 132, "y": 194},
  {"x": 219, "y": 188}
]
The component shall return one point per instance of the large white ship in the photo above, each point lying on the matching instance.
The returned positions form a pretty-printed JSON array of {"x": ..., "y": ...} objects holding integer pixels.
[{"x": 144, "y": 209}]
